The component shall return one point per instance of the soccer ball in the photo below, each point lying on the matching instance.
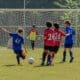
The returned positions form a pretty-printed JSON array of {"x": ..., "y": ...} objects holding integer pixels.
[{"x": 31, "y": 60}]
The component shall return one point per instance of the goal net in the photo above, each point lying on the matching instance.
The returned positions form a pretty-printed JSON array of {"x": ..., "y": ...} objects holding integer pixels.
[{"x": 11, "y": 19}]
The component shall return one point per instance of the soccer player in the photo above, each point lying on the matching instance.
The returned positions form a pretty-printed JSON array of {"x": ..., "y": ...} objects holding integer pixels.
[
  {"x": 68, "y": 41},
  {"x": 48, "y": 43},
  {"x": 18, "y": 43},
  {"x": 33, "y": 36}
]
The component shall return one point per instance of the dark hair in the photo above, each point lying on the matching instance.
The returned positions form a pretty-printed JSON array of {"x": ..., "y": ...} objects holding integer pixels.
[
  {"x": 67, "y": 22},
  {"x": 49, "y": 24},
  {"x": 34, "y": 26},
  {"x": 56, "y": 25},
  {"x": 20, "y": 30}
]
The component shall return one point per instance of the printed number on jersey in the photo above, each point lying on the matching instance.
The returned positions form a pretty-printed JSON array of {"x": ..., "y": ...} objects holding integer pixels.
[{"x": 55, "y": 36}]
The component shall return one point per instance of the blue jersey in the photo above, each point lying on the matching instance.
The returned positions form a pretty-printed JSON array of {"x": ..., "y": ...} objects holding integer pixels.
[
  {"x": 17, "y": 41},
  {"x": 69, "y": 39}
]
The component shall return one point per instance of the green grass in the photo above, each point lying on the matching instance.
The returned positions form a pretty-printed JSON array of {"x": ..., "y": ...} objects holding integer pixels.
[{"x": 9, "y": 70}]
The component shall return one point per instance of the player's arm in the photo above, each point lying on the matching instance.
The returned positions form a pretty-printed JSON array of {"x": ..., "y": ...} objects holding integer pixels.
[
  {"x": 64, "y": 34},
  {"x": 6, "y": 31},
  {"x": 29, "y": 32}
]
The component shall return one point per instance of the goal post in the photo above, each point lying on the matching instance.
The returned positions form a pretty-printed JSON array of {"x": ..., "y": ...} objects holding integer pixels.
[{"x": 11, "y": 19}]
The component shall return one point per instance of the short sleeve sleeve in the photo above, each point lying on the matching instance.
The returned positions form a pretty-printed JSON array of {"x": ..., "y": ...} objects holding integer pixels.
[{"x": 11, "y": 34}]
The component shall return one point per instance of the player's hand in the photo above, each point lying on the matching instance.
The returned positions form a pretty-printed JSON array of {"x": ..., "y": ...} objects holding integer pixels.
[{"x": 67, "y": 34}]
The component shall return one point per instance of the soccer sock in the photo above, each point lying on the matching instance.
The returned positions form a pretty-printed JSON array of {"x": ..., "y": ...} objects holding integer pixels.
[
  {"x": 32, "y": 44},
  {"x": 71, "y": 54},
  {"x": 53, "y": 56},
  {"x": 18, "y": 59},
  {"x": 44, "y": 56},
  {"x": 49, "y": 59},
  {"x": 64, "y": 55}
]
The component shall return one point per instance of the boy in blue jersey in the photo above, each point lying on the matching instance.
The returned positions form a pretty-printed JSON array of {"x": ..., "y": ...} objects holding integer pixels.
[
  {"x": 68, "y": 41},
  {"x": 18, "y": 43}
]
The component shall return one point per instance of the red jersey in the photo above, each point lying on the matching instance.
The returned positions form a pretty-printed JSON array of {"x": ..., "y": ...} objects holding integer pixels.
[
  {"x": 47, "y": 37},
  {"x": 57, "y": 37},
  {"x": 53, "y": 37}
]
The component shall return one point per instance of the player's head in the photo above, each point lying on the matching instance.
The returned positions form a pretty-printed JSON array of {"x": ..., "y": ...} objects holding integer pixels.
[
  {"x": 33, "y": 26},
  {"x": 67, "y": 23},
  {"x": 20, "y": 31},
  {"x": 56, "y": 25},
  {"x": 49, "y": 24}
]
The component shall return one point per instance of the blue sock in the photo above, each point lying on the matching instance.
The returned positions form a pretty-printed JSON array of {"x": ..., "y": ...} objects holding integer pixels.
[
  {"x": 49, "y": 59},
  {"x": 64, "y": 55},
  {"x": 71, "y": 54}
]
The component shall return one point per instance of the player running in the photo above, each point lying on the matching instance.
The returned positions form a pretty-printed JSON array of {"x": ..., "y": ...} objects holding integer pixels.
[
  {"x": 18, "y": 43},
  {"x": 68, "y": 41},
  {"x": 32, "y": 35}
]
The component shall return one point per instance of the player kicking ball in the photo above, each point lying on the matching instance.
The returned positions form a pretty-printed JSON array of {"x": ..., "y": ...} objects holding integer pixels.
[
  {"x": 52, "y": 40},
  {"x": 69, "y": 41},
  {"x": 18, "y": 43}
]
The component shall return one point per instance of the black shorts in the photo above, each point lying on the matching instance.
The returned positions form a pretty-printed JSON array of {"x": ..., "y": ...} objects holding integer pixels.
[
  {"x": 68, "y": 45},
  {"x": 52, "y": 48}
]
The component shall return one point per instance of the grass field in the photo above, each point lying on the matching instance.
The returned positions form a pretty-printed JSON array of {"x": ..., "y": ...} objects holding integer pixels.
[{"x": 9, "y": 70}]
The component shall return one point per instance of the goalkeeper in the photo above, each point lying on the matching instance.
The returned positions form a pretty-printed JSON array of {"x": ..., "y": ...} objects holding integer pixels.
[{"x": 32, "y": 36}]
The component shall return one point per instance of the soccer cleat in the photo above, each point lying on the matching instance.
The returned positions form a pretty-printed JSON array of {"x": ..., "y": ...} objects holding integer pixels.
[
  {"x": 48, "y": 64},
  {"x": 71, "y": 60},
  {"x": 63, "y": 60},
  {"x": 19, "y": 63}
]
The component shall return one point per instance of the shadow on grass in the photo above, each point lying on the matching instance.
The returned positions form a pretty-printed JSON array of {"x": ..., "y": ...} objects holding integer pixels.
[
  {"x": 43, "y": 66},
  {"x": 60, "y": 62},
  {"x": 12, "y": 65}
]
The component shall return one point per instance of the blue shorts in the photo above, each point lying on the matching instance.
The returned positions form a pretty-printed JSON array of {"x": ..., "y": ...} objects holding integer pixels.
[
  {"x": 19, "y": 53},
  {"x": 68, "y": 45}
]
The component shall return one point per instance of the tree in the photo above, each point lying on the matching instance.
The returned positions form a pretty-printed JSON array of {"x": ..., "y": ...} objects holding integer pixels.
[
  {"x": 70, "y": 15},
  {"x": 68, "y": 4}
]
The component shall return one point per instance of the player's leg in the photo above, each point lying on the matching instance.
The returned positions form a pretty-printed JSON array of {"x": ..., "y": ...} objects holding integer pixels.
[
  {"x": 52, "y": 51},
  {"x": 44, "y": 55},
  {"x": 32, "y": 44},
  {"x": 17, "y": 56},
  {"x": 64, "y": 54},
  {"x": 22, "y": 55},
  {"x": 50, "y": 58},
  {"x": 71, "y": 55}
]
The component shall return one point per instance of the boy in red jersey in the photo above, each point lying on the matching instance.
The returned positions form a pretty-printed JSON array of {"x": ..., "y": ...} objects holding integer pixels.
[{"x": 48, "y": 42}]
